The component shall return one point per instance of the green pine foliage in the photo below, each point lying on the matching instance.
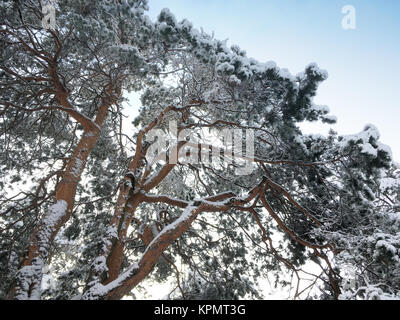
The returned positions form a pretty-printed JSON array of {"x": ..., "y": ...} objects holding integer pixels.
[{"x": 349, "y": 184}]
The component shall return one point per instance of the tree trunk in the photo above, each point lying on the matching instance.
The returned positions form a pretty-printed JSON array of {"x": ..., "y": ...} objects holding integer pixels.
[{"x": 28, "y": 281}]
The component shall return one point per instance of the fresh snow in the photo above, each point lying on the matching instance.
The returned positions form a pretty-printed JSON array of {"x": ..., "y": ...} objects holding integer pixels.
[{"x": 77, "y": 168}]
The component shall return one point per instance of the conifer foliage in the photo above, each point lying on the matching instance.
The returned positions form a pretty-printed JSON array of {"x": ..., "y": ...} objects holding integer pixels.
[{"x": 86, "y": 211}]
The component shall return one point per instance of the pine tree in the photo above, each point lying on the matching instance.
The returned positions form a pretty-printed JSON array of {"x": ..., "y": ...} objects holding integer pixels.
[{"x": 87, "y": 212}]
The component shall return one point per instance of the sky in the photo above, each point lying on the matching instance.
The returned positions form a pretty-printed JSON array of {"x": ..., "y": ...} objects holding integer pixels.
[{"x": 363, "y": 63}]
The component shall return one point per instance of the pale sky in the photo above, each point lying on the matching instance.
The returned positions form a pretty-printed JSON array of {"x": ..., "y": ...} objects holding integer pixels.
[{"x": 363, "y": 64}]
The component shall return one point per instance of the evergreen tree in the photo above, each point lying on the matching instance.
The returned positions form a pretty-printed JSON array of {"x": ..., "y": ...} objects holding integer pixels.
[{"x": 88, "y": 211}]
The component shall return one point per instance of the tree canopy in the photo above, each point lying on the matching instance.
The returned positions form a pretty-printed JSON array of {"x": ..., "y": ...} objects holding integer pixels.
[{"x": 93, "y": 207}]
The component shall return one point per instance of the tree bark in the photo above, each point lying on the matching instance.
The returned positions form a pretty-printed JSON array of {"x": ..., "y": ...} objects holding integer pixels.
[{"x": 28, "y": 280}]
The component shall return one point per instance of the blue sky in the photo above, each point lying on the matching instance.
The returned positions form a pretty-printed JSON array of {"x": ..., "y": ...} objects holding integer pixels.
[{"x": 363, "y": 64}]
